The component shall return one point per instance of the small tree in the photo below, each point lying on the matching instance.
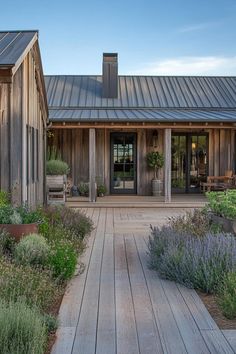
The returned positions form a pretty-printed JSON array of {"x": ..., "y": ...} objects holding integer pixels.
[{"x": 155, "y": 160}]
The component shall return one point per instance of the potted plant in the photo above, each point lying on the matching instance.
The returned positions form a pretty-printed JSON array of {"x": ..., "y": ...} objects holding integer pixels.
[
  {"x": 84, "y": 189},
  {"x": 18, "y": 222},
  {"x": 101, "y": 190},
  {"x": 155, "y": 161}
]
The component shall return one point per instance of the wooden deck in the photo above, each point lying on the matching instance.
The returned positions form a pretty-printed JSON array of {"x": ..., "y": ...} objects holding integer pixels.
[
  {"x": 120, "y": 306},
  {"x": 135, "y": 201}
]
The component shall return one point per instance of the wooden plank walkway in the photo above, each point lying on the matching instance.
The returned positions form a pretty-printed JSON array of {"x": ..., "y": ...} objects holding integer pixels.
[{"x": 118, "y": 305}]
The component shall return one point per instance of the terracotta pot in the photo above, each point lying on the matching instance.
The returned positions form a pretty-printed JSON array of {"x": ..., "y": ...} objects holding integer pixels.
[{"x": 20, "y": 230}]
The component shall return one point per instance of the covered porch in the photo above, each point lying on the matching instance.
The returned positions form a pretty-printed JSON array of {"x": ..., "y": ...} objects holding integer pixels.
[
  {"x": 192, "y": 151},
  {"x": 135, "y": 201}
]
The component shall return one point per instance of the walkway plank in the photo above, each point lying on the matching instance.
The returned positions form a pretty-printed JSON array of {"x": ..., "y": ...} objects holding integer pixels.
[
  {"x": 230, "y": 335},
  {"x": 148, "y": 336},
  {"x": 85, "y": 338},
  {"x": 191, "y": 335},
  {"x": 127, "y": 339},
  {"x": 106, "y": 331},
  {"x": 64, "y": 344},
  {"x": 171, "y": 339},
  {"x": 198, "y": 310},
  {"x": 216, "y": 342}
]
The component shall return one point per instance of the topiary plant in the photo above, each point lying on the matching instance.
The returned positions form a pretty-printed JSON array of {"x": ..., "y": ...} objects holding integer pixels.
[
  {"x": 155, "y": 160},
  {"x": 57, "y": 167},
  {"x": 33, "y": 250}
]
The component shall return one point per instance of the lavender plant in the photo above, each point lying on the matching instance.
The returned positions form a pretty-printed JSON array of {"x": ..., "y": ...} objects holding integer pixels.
[{"x": 201, "y": 263}]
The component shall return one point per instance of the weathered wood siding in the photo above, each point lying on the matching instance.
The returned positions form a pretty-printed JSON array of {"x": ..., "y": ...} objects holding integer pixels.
[
  {"x": 5, "y": 94},
  {"x": 74, "y": 148},
  {"x": 22, "y": 136}
]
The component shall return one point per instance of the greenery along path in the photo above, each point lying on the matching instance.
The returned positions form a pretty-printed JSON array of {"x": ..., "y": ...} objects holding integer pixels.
[{"x": 120, "y": 306}]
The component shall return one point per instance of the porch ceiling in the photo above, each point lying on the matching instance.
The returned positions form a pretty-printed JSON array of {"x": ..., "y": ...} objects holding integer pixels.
[{"x": 142, "y": 115}]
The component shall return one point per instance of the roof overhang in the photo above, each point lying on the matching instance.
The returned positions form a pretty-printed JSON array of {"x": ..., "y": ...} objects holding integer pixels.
[{"x": 137, "y": 115}]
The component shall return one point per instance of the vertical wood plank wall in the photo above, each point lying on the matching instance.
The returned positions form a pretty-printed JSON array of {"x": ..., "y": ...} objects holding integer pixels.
[
  {"x": 74, "y": 148},
  {"x": 19, "y": 107}
]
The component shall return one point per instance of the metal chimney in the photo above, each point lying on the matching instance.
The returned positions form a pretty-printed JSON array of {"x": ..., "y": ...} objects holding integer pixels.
[{"x": 110, "y": 75}]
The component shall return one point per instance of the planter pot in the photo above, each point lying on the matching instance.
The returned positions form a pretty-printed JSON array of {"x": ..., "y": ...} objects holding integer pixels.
[
  {"x": 56, "y": 179},
  {"x": 74, "y": 191},
  {"x": 156, "y": 187},
  {"x": 228, "y": 225},
  {"x": 19, "y": 230}
]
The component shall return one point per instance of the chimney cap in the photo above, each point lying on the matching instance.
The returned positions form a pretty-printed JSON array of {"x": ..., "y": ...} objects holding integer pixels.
[{"x": 110, "y": 56}]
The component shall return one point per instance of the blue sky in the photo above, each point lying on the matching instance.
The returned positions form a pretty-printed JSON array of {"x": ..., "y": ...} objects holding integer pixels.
[{"x": 169, "y": 37}]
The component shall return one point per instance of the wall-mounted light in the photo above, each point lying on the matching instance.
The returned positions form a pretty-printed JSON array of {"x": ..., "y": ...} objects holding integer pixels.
[{"x": 155, "y": 138}]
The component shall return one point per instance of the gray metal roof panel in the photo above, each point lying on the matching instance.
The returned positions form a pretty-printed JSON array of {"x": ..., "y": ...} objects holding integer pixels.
[
  {"x": 13, "y": 44},
  {"x": 143, "y": 92},
  {"x": 143, "y": 115}
]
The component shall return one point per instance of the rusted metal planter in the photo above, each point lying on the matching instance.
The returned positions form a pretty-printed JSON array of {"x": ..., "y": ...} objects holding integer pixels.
[
  {"x": 228, "y": 225},
  {"x": 20, "y": 230}
]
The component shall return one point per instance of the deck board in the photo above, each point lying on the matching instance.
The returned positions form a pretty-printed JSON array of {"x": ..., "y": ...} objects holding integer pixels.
[{"x": 118, "y": 305}]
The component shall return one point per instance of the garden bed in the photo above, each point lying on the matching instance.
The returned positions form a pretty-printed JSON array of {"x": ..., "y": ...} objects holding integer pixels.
[
  {"x": 210, "y": 301},
  {"x": 193, "y": 251},
  {"x": 34, "y": 273}
]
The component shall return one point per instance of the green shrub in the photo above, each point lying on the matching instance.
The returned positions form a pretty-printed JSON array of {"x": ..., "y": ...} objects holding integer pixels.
[
  {"x": 4, "y": 198},
  {"x": 50, "y": 322},
  {"x": 7, "y": 243},
  {"x": 20, "y": 215},
  {"x": 36, "y": 287},
  {"x": 31, "y": 216},
  {"x": 6, "y": 212},
  {"x": 227, "y": 296},
  {"x": 70, "y": 219},
  {"x": 223, "y": 203},
  {"x": 84, "y": 189},
  {"x": 33, "y": 249},
  {"x": 63, "y": 260},
  {"x": 22, "y": 330},
  {"x": 58, "y": 233},
  {"x": 101, "y": 190},
  {"x": 57, "y": 167}
]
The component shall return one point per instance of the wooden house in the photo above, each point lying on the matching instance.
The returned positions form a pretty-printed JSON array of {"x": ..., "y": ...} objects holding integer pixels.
[
  {"x": 23, "y": 117},
  {"x": 105, "y": 125}
]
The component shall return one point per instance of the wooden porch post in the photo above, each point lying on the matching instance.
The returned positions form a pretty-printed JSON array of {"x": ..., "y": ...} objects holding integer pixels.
[
  {"x": 167, "y": 174},
  {"x": 92, "y": 165}
]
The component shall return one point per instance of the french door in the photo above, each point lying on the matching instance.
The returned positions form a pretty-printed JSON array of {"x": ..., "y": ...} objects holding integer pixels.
[
  {"x": 189, "y": 165},
  {"x": 123, "y": 163}
]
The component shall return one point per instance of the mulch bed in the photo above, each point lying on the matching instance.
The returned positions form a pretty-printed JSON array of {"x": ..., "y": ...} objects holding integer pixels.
[
  {"x": 213, "y": 308},
  {"x": 54, "y": 310}
]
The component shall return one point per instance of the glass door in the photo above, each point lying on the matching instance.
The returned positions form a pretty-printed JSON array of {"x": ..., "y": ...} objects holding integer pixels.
[
  {"x": 189, "y": 162},
  {"x": 123, "y": 163}
]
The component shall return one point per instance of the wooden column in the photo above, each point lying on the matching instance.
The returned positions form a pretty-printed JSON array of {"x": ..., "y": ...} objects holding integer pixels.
[
  {"x": 92, "y": 164},
  {"x": 167, "y": 171}
]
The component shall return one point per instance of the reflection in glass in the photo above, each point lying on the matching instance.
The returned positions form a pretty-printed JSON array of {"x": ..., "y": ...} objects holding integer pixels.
[
  {"x": 189, "y": 161},
  {"x": 123, "y": 162}
]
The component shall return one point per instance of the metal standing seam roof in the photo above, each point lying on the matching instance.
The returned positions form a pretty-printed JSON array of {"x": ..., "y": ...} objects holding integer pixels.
[
  {"x": 142, "y": 98},
  {"x": 13, "y": 44}
]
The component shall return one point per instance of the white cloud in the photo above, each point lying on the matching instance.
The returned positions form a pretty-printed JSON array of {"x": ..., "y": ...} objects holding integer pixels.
[
  {"x": 209, "y": 65},
  {"x": 198, "y": 27}
]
